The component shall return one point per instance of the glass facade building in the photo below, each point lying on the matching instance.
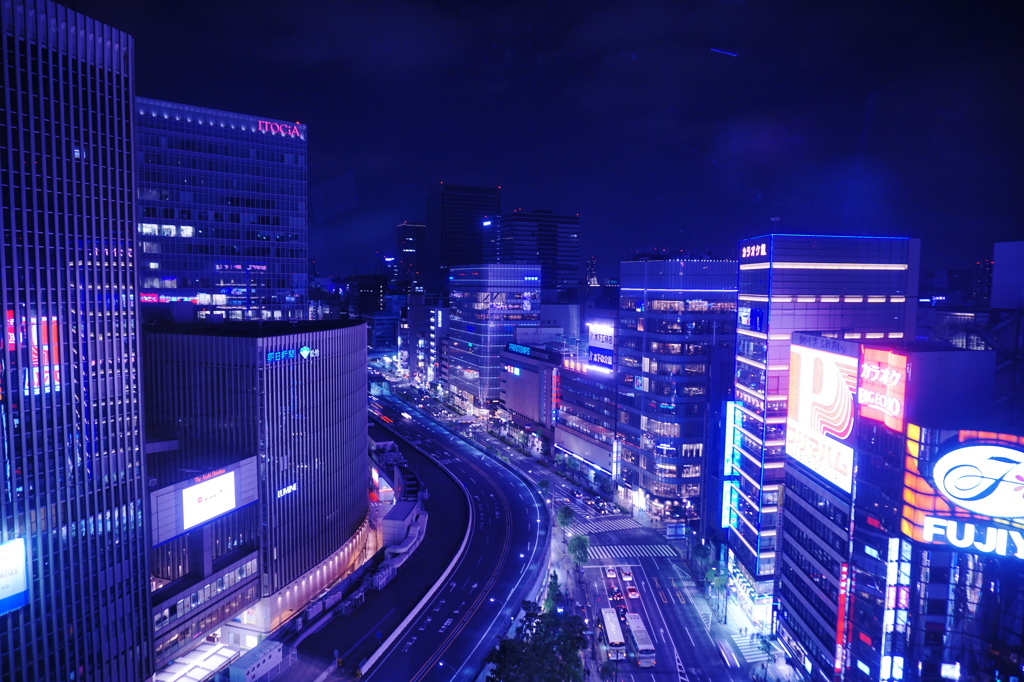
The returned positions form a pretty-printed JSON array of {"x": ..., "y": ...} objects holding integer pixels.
[
  {"x": 545, "y": 238},
  {"x": 293, "y": 397},
  {"x": 856, "y": 288},
  {"x": 221, "y": 213},
  {"x": 676, "y": 324},
  {"x": 455, "y": 234},
  {"x": 488, "y": 302},
  {"x": 72, "y": 541}
]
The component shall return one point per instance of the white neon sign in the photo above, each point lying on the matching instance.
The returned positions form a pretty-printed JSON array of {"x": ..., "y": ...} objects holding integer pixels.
[
  {"x": 209, "y": 499},
  {"x": 985, "y": 479}
]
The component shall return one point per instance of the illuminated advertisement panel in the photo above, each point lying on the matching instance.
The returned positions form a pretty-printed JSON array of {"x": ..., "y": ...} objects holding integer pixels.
[
  {"x": 204, "y": 501},
  {"x": 844, "y": 588},
  {"x": 965, "y": 493},
  {"x": 13, "y": 575},
  {"x": 601, "y": 346},
  {"x": 883, "y": 387},
  {"x": 821, "y": 410},
  {"x": 41, "y": 335}
]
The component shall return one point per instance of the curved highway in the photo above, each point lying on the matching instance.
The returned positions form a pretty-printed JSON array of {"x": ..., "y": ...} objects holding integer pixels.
[{"x": 507, "y": 548}]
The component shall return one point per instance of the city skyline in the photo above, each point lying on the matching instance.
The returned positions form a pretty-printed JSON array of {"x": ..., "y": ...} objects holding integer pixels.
[
  {"x": 782, "y": 453},
  {"x": 659, "y": 124}
]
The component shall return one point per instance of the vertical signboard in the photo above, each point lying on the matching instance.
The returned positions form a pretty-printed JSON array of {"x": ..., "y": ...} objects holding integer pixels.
[
  {"x": 601, "y": 346},
  {"x": 883, "y": 387},
  {"x": 819, "y": 423},
  {"x": 13, "y": 575},
  {"x": 844, "y": 590}
]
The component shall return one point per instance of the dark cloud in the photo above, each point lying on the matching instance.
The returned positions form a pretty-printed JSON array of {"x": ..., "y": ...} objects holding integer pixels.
[{"x": 868, "y": 118}]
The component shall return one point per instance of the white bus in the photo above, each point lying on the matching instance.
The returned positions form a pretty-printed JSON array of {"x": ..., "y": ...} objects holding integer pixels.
[
  {"x": 613, "y": 635},
  {"x": 639, "y": 641}
]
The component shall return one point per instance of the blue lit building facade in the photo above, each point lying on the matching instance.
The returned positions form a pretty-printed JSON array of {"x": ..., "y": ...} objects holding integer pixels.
[
  {"x": 858, "y": 288},
  {"x": 676, "y": 325},
  {"x": 73, "y": 591},
  {"x": 585, "y": 423},
  {"x": 488, "y": 303},
  {"x": 901, "y": 539},
  {"x": 276, "y": 413},
  {"x": 221, "y": 214}
]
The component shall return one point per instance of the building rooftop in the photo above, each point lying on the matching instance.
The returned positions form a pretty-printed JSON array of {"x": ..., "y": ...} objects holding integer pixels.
[{"x": 253, "y": 329}]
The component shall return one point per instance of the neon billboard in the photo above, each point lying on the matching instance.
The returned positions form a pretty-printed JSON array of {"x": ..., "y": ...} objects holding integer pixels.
[
  {"x": 42, "y": 337},
  {"x": 207, "y": 500},
  {"x": 967, "y": 496},
  {"x": 883, "y": 387},
  {"x": 819, "y": 423},
  {"x": 601, "y": 346}
]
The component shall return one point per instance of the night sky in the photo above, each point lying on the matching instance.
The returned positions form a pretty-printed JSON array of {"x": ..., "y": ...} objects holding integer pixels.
[{"x": 663, "y": 124}]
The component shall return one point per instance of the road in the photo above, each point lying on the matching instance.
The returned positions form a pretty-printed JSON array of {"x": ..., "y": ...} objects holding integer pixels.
[
  {"x": 668, "y": 602},
  {"x": 507, "y": 546},
  {"x": 686, "y": 636}
]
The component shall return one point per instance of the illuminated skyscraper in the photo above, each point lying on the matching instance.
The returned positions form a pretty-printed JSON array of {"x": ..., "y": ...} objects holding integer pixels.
[
  {"x": 73, "y": 589},
  {"x": 221, "y": 213},
  {"x": 488, "y": 303},
  {"x": 674, "y": 349},
  {"x": 848, "y": 287}
]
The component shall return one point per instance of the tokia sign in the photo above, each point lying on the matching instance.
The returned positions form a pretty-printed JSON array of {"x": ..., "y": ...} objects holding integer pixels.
[{"x": 286, "y": 129}]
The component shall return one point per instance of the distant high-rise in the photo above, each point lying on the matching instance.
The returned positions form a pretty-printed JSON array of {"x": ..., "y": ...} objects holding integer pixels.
[
  {"x": 545, "y": 238},
  {"x": 410, "y": 255},
  {"x": 73, "y": 592},
  {"x": 221, "y": 213},
  {"x": 454, "y": 233},
  {"x": 850, "y": 287},
  {"x": 592, "y": 272}
]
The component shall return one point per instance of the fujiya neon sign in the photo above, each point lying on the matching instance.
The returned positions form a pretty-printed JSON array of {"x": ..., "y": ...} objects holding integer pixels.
[
  {"x": 985, "y": 479},
  {"x": 973, "y": 536},
  {"x": 286, "y": 129},
  {"x": 982, "y": 478}
]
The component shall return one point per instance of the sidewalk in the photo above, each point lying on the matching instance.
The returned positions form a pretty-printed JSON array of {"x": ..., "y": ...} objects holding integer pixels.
[
  {"x": 574, "y": 586},
  {"x": 746, "y": 640}
]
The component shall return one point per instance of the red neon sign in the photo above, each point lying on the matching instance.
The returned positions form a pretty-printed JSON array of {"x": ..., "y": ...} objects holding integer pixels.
[
  {"x": 883, "y": 387},
  {"x": 285, "y": 129},
  {"x": 844, "y": 585}
]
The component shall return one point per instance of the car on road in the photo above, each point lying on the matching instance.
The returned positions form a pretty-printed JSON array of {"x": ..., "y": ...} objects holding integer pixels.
[
  {"x": 576, "y": 493},
  {"x": 626, "y": 574},
  {"x": 726, "y": 652},
  {"x": 609, "y": 572},
  {"x": 621, "y": 611},
  {"x": 615, "y": 595},
  {"x": 632, "y": 592}
]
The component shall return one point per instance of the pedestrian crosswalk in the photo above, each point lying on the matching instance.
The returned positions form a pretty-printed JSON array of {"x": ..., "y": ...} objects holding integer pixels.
[
  {"x": 622, "y": 551},
  {"x": 751, "y": 649},
  {"x": 602, "y": 526}
]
